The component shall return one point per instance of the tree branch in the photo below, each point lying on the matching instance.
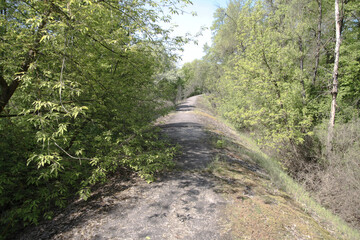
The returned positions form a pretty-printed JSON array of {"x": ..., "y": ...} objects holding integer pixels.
[
  {"x": 29, "y": 59},
  {"x": 76, "y": 158}
]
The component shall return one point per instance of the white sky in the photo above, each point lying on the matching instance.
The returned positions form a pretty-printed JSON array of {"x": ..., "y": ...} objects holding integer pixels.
[{"x": 192, "y": 24}]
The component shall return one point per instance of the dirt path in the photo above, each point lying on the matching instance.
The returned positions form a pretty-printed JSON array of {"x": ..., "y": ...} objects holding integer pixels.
[
  {"x": 227, "y": 198},
  {"x": 182, "y": 205},
  {"x": 187, "y": 130}
]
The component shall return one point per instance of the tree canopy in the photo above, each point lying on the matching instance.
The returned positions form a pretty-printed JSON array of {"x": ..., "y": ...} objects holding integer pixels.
[
  {"x": 79, "y": 90},
  {"x": 273, "y": 70}
]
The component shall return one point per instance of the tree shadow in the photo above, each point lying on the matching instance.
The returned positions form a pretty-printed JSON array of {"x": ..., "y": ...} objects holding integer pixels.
[{"x": 185, "y": 107}]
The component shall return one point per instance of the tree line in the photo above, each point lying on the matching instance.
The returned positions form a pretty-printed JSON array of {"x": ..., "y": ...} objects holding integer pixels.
[
  {"x": 80, "y": 87},
  {"x": 287, "y": 71}
]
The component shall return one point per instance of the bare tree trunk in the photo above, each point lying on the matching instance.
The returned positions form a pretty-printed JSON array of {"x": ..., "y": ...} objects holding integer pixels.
[
  {"x": 334, "y": 90},
  {"x": 318, "y": 42},
  {"x": 301, "y": 49}
]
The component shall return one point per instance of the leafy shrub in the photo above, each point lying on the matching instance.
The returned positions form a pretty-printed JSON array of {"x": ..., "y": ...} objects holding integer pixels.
[{"x": 29, "y": 192}]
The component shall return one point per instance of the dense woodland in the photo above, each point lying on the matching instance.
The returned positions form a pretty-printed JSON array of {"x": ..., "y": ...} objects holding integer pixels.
[
  {"x": 83, "y": 80},
  {"x": 282, "y": 70},
  {"x": 80, "y": 85}
]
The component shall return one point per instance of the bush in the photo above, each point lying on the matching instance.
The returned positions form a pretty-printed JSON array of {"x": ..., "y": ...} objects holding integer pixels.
[
  {"x": 30, "y": 193},
  {"x": 334, "y": 179},
  {"x": 339, "y": 186}
]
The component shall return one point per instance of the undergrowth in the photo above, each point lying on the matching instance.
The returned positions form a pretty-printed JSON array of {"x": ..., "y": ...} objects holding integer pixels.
[{"x": 245, "y": 145}]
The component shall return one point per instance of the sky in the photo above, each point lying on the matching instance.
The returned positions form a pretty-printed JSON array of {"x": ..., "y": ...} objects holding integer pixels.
[{"x": 192, "y": 24}]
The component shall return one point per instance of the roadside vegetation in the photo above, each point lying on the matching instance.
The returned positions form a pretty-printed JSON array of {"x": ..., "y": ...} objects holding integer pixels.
[
  {"x": 276, "y": 70},
  {"x": 266, "y": 203},
  {"x": 81, "y": 81}
]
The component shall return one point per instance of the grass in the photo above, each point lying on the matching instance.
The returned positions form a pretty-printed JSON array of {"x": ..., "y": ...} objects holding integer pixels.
[
  {"x": 280, "y": 208},
  {"x": 285, "y": 182}
]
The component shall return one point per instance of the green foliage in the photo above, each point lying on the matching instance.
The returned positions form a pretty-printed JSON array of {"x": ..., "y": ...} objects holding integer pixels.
[
  {"x": 263, "y": 62},
  {"x": 170, "y": 85},
  {"x": 261, "y": 85},
  {"x": 194, "y": 75},
  {"x": 270, "y": 69},
  {"x": 79, "y": 91},
  {"x": 350, "y": 63}
]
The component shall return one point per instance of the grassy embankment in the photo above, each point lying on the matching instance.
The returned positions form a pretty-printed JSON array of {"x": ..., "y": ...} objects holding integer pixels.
[{"x": 266, "y": 202}]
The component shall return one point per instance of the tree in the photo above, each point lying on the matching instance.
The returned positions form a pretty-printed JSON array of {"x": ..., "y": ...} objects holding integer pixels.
[
  {"x": 273, "y": 81},
  {"x": 318, "y": 42},
  {"x": 78, "y": 95},
  {"x": 334, "y": 89}
]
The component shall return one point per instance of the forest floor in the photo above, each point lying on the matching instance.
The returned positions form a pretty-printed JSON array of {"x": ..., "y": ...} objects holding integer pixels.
[{"x": 214, "y": 193}]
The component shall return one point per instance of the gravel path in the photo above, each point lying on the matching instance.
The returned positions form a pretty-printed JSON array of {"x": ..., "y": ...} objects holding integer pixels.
[
  {"x": 187, "y": 130},
  {"x": 181, "y": 205}
]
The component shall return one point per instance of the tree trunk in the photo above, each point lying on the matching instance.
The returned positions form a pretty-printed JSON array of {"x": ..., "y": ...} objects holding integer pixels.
[
  {"x": 334, "y": 90},
  {"x": 7, "y": 91},
  {"x": 3, "y": 83},
  {"x": 301, "y": 49},
  {"x": 318, "y": 42}
]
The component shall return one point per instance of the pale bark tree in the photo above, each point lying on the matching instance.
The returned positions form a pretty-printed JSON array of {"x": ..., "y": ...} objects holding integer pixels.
[{"x": 334, "y": 89}]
